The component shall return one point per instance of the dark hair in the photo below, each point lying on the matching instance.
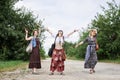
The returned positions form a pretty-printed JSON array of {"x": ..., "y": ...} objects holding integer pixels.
[{"x": 58, "y": 32}]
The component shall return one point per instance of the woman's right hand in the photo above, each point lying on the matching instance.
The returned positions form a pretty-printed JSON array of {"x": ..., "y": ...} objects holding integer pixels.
[{"x": 26, "y": 31}]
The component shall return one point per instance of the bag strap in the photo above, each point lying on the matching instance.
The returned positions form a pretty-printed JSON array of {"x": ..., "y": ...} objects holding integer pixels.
[
  {"x": 63, "y": 39},
  {"x": 55, "y": 39}
]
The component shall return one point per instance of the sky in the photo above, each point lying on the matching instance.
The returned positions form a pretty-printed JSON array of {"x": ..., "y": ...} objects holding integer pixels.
[{"x": 65, "y": 15}]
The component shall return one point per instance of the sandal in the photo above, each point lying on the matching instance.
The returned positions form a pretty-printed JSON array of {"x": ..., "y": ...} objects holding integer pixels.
[
  {"x": 51, "y": 73},
  {"x": 91, "y": 71},
  {"x": 34, "y": 73},
  {"x": 61, "y": 73}
]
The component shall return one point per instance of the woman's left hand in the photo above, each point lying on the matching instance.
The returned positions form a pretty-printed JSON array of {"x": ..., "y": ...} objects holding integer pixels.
[{"x": 76, "y": 30}]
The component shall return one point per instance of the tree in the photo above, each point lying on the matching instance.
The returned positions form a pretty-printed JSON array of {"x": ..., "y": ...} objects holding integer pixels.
[
  {"x": 78, "y": 52},
  {"x": 12, "y": 24},
  {"x": 108, "y": 25}
]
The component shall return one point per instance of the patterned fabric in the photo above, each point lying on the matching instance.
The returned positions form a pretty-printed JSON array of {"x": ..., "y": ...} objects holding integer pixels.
[
  {"x": 57, "y": 63},
  {"x": 91, "y": 56}
]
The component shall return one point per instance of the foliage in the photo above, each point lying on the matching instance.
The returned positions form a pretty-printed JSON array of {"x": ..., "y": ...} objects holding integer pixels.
[
  {"x": 11, "y": 65},
  {"x": 78, "y": 52},
  {"x": 12, "y": 24},
  {"x": 108, "y": 26}
]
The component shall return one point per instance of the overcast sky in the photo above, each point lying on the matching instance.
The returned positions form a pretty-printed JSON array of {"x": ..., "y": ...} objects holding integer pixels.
[{"x": 64, "y": 14}]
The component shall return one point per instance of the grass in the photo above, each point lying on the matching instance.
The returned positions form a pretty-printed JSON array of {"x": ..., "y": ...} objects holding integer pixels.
[
  {"x": 117, "y": 61},
  {"x": 74, "y": 58},
  {"x": 11, "y": 65}
]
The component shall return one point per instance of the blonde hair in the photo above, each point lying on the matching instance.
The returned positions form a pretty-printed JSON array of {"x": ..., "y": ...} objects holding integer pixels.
[{"x": 91, "y": 30}]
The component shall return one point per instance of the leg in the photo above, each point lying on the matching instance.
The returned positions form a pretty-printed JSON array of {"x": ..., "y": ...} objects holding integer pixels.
[
  {"x": 91, "y": 71},
  {"x": 34, "y": 70}
]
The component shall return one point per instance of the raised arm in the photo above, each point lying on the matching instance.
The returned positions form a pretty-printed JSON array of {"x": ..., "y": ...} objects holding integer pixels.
[
  {"x": 79, "y": 44},
  {"x": 26, "y": 36},
  {"x": 71, "y": 33},
  {"x": 49, "y": 31},
  {"x": 84, "y": 41}
]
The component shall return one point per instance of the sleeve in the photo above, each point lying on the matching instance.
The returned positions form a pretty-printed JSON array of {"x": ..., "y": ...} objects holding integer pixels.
[
  {"x": 53, "y": 35},
  {"x": 86, "y": 40},
  {"x": 66, "y": 37}
]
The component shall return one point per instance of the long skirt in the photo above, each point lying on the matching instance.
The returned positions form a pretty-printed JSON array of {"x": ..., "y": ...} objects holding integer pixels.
[
  {"x": 57, "y": 61},
  {"x": 90, "y": 57},
  {"x": 35, "y": 59}
]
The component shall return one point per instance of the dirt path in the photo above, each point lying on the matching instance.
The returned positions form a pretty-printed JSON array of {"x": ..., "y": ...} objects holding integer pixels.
[{"x": 73, "y": 71}]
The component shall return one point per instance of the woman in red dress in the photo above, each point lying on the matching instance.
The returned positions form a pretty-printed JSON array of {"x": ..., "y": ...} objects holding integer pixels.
[
  {"x": 58, "y": 56},
  {"x": 35, "y": 61}
]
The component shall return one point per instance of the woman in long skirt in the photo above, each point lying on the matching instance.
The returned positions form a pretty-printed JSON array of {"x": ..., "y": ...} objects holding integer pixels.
[
  {"x": 35, "y": 61},
  {"x": 58, "y": 56},
  {"x": 91, "y": 56}
]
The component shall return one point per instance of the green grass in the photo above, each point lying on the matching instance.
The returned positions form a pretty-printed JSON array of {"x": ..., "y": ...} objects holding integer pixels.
[
  {"x": 117, "y": 61},
  {"x": 74, "y": 58},
  {"x": 11, "y": 65}
]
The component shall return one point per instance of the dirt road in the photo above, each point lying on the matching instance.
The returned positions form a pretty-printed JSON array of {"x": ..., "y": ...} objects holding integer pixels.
[{"x": 73, "y": 71}]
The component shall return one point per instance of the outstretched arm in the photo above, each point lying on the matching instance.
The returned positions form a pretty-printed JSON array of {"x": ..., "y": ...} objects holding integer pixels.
[
  {"x": 26, "y": 36},
  {"x": 79, "y": 44},
  {"x": 49, "y": 31},
  {"x": 71, "y": 33}
]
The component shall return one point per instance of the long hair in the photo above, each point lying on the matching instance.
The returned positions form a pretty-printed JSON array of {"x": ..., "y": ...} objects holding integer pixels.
[{"x": 58, "y": 33}]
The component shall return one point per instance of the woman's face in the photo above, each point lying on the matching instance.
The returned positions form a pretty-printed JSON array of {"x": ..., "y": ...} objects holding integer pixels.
[
  {"x": 93, "y": 33},
  {"x": 35, "y": 33},
  {"x": 60, "y": 33}
]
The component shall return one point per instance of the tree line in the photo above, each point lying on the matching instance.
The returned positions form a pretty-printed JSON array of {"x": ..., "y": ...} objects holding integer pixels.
[
  {"x": 108, "y": 37},
  {"x": 13, "y": 21}
]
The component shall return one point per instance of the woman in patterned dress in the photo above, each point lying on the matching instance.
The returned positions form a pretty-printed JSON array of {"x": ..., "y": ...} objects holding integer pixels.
[
  {"x": 58, "y": 56},
  {"x": 91, "y": 56}
]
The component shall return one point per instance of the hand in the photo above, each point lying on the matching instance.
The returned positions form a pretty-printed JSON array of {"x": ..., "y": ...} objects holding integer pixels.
[
  {"x": 76, "y": 30},
  {"x": 46, "y": 29},
  {"x": 76, "y": 46},
  {"x": 26, "y": 31}
]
